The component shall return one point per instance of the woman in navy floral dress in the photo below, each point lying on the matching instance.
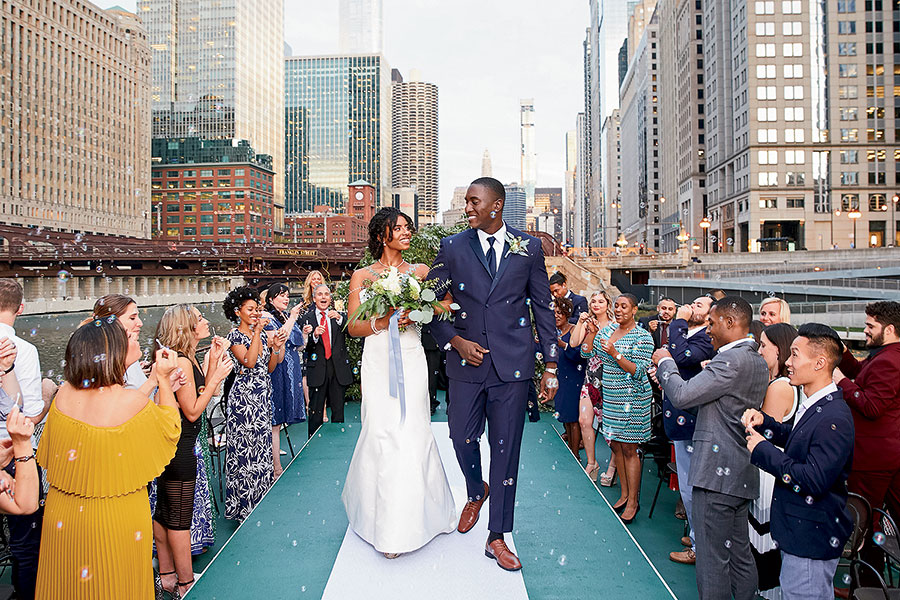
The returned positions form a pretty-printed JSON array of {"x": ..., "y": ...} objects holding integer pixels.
[
  {"x": 248, "y": 422},
  {"x": 288, "y": 406}
]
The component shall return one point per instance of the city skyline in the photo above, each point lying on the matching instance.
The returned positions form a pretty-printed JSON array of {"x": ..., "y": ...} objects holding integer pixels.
[{"x": 450, "y": 44}]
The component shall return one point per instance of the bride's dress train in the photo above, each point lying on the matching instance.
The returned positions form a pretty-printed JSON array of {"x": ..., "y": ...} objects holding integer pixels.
[{"x": 396, "y": 494}]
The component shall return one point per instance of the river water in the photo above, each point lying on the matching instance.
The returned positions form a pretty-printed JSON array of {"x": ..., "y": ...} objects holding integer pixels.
[{"x": 50, "y": 333}]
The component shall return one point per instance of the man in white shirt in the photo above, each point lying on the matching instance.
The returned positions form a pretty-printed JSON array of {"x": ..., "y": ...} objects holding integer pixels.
[
  {"x": 809, "y": 519},
  {"x": 25, "y": 530}
]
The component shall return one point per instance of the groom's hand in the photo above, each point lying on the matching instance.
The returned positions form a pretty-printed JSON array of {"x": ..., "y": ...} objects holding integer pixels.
[
  {"x": 546, "y": 392},
  {"x": 471, "y": 352}
]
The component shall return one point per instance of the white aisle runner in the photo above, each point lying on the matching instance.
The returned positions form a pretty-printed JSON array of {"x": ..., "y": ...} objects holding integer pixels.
[{"x": 450, "y": 566}]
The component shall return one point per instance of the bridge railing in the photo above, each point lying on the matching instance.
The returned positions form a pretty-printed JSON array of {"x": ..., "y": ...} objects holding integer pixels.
[{"x": 600, "y": 252}]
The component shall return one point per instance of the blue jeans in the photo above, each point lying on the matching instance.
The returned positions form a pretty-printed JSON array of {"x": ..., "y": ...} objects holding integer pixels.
[
  {"x": 806, "y": 578},
  {"x": 683, "y": 463}
]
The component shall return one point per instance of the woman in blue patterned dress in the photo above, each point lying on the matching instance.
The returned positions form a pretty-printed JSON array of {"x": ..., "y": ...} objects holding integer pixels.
[
  {"x": 625, "y": 350},
  {"x": 570, "y": 373},
  {"x": 288, "y": 406},
  {"x": 248, "y": 419}
]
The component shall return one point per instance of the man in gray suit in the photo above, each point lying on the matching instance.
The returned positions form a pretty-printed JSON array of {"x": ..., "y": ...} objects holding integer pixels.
[{"x": 723, "y": 480}]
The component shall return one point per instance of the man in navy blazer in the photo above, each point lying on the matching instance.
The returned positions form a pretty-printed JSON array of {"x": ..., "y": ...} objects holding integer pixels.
[
  {"x": 560, "y": 289},
  {"x": 809, "y": 519},
  {"x": 496, "y": 275}
]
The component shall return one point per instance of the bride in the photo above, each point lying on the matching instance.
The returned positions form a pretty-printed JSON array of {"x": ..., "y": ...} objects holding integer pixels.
[{"x": 396, "y": 494}]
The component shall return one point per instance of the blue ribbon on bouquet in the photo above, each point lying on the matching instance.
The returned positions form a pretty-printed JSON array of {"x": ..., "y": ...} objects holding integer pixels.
[{"x": 395, "y": 367}]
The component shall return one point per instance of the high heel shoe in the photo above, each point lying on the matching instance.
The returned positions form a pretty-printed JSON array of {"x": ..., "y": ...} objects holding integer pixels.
[
  {"x": 592, "y": 471},
  {"x": 607, "y": 480},
  {"x": 621, "y": 508},
  {"x": 628, "y": 521}
]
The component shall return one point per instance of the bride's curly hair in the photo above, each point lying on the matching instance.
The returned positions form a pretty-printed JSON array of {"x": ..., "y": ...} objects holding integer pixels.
[{"x": 381, "y": 229}]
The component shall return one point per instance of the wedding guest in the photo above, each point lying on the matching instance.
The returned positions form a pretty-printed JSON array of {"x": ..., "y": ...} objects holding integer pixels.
[
  {"x": 690, "y": 346},
  {"x": 24, "y": 530},
  {"x": 625, "y": 350},
  {"x": 871, "y": 388},
  {"x": 313, "y": 278},
  {"x": 248, "y": 423},
  {"x": 810, "y": 520},
  {"x": 756, "y": 329},
  {"x": 780, "y": 403},
  {"x": 570, "y": 372},
  {"x": 328, "y": 368},
  {"x": 658, "y": 324},
  {"x": 722, "y": 480},
  {"x": 559, "y": 289},
  {"x": 101, "y": 445},
  {"x": 599, "y": 315},
  {"x": 774, "y": 310},
  {"x": 180, "y": 329},
  {"x": 288, "y": 405},
  {"x": 19, "y": 495}
]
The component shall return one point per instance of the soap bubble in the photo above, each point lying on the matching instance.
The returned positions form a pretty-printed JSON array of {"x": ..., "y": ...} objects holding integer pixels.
[
  {"x": 63, "y": 275},
  {"x": 834, "y": 542},
  {"x": 680, "y": 420},
  {"x": 879, "y": 538},
  {"x": 715, "y": 447},
  {"x": 462, "y": 286},
  {"x": 517, "y": 374}
]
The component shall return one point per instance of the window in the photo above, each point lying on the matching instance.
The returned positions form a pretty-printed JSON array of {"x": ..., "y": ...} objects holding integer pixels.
[
  {"x": 794, "y": 202},
  {"x": 792, "y": 28},
  {"x": 846, "y": 6},
  {"x": 849, "y": 202},
  {"x": 224, "y": 172},
  {"x": 791, "y": 7},
  {"x": 206, "y": 173},
  {"x": 846, "y": 27},
  {"x": 767, "y": 157},
  {"x": 239, "y": 230},
  {"x": 848, "y": 92},
  {"x": 766, "y": 114},
  {"x": 793, "y": 71},
  {"x": 224, "y": 183},
  {"x": 767, "y": 178},
  {"x": 765, "y": 50},
  {"x": 206, "y": 230},
  {"x": 223, "y": 218},
  {"x": 224, "y": 230},
  {"x": 872, "y": 69},
  {"x": 877, "y": 202},
  {"x": 850, "y": 135},
  {"x": 207, "y": 183},
  {"x": 764, "y": 29},
  {"x": 796, "y": 178},
  {"x": 172, "y": 207},
  {"x": 793, "y": 49},
  {"x": 793, "y": 92},
  {"x": 877, "y": 178},
  {"x": 767, "y": 136},
  {"x": 206, "y": 206},
  {"x": 764, "y": 8},
  {"x": 849, "y": 178},
  {"x": 849, "y": 113},
  {"x": 238, "y": 183},
  {"x": 847, "y": 49},
  {"x": 190, "y": 231},
  {"x": 768, "y": 202},
  {"x": 189, "y": 219},
  {"x": 794, "y": 157},
  {"x": 793, "y": 113},
  {"x": 206, "y": 218},
  {"x": 172, "y": 219},
  {"x": 847, "y": 70},
  {"x": 224, "y": 206},
  {"x": 849, "y": 157},
  {"x": 189, "y": 207},
  {"x": 793, "y": 136},
  {"x": 765, "y": 71},
  {"x": 764, "y": 92},
  {"x": 238, "y": 172}
]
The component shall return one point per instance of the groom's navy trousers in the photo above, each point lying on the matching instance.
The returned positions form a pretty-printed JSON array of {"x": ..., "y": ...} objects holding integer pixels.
[{"x": 503, "y": 404}]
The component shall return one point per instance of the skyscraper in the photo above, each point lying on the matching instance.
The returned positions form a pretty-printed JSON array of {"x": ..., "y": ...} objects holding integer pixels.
[
  {"x": 361, "y": 28},
  {"x": 414, "y": 142},
  {"x": 486, "y": 169},
  {"x": 568, "y": 211},
  {"x": 74, "y": 99},
  {"x": 337, "y": 129},
  {"x": 528, "y": 158},
  {"x": 514, "y": 209},
  {"x": 218, "y": 73}
]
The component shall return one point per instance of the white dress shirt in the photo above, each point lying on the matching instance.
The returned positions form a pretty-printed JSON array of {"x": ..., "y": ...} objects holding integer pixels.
[
  {"x": 499, "y": 239},
  {"x": 808, "y": 402},
  {"x": 319, "y": 314},
  {"x": 134, "y": 376},
  {"x": 28, "y": 374}
]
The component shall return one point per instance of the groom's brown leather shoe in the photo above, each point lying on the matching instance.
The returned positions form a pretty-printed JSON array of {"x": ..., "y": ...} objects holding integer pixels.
[
  {"x": 470, "y": 511},
  {"x": 499, "y": 551}
]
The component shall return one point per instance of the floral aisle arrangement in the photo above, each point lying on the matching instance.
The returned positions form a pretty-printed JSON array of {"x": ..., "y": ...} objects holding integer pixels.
[{"x": 402, "y": 291}]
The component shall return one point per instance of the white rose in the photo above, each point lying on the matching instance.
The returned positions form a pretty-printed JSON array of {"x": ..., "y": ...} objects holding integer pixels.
[
  {"x": 391, "y": 283},
  {"x": 414, "y": 284}
]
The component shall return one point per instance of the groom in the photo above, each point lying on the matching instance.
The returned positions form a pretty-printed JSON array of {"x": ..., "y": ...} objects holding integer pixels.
[{"x": 495, "y": 273}]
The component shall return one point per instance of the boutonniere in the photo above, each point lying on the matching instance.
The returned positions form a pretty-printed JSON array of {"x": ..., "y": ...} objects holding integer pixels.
[{"x": 516, "y": 245}]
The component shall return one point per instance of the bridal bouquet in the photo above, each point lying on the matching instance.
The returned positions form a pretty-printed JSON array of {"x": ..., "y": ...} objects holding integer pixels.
[{"x": 402, "y": 291}]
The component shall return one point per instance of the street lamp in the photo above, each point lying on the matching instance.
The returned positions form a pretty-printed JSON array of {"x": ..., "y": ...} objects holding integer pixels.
[
  {"x": 894, "y": 201},
  {"x": 621, "y": 242},
  {"x": 854, "y": 216},
  {"x": 683, "y": 237},
  {"x": 704, "y": 224}
]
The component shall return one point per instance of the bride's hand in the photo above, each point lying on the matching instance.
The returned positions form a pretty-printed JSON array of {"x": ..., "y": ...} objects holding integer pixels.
[{"x": 403, "y": 319}]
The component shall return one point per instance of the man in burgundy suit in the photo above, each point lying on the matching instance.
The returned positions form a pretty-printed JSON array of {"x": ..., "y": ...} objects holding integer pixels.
[{"x": 871, "y": 388}]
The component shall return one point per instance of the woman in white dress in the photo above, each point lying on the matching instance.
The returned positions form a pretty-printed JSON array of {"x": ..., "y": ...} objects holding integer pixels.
[
  {"x": 780, "y": 403},
  {"x": 396, "y": 495}
]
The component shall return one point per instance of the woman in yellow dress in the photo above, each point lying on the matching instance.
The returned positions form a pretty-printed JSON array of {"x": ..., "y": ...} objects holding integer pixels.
[{"x": 101, "y": 445}]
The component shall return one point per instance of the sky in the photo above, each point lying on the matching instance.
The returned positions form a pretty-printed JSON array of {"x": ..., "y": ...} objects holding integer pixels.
[{"x": 484, "y": 55}]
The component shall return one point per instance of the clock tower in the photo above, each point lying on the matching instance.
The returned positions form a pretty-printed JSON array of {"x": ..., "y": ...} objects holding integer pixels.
[{"x": 361, "y": 203}]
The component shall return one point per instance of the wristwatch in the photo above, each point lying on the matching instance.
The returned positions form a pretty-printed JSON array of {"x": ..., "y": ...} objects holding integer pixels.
[
  {"x": 551, "y": 370},
  {"x": 619, "y": 356}
]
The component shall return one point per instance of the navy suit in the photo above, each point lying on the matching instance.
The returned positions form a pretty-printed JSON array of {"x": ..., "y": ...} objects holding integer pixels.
[
  {"x": 494, "y": 312},
  {"x": 809, "y": 505},
  {"x": 579, "y": 305}
]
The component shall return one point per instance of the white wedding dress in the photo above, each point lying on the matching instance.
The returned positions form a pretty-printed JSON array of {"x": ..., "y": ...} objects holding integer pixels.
[{"x": 396, "y": 494}]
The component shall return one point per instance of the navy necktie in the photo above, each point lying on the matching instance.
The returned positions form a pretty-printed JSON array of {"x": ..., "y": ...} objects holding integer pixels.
[{"x": 491, "y": 257}]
